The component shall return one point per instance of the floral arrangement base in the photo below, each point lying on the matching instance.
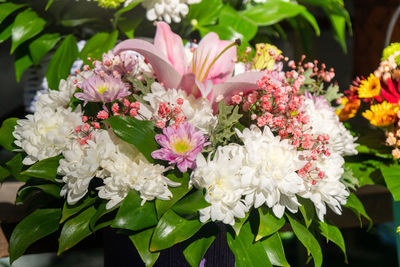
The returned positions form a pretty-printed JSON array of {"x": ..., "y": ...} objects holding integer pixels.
[{"x": 119, "y": 251}]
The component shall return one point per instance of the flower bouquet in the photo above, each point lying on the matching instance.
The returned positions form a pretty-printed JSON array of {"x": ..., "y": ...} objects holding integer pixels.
[
  {"x": 377, "y": 99},
  {"x": 161, "y": 140}
]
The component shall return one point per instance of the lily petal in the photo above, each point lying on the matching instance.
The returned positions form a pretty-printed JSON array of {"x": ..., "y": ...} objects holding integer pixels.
[
  {"x": 209, "y": 48},
  {"x": 163, "y": 69},
  {"x": 190, "y": 85},
  {"x": 243, "y": 82},
  {"x": 171, "y": 45}
]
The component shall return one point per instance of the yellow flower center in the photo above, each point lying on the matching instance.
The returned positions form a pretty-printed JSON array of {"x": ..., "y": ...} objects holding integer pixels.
[
  {"x": 102, "y": 88},
  {"x": 181, "y": 146},
  {"x": 382, "y": 114}
]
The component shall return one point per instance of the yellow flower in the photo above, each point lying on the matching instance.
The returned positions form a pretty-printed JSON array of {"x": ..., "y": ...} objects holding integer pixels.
[
  {"x": 109, "y": 3},
  {"x": 263, "y": 60},
  {"x": 369, "y": 88},
  {"x": 349, "y": 110},
  {"x": 382, "y": 114}
]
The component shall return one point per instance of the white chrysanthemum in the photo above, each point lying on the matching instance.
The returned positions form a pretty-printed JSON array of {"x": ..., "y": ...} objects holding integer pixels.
[
  {"x": 61, "y": 97},
  {"x": 221, "y": 177},
  {"x": 324, "y": 121},
  {"x": 329, "y": 190},
  {"x": 166, "y": 10},
  {"x": 46, "y": 133},
  {"x": 270, "y": 170},
  {"x": 81, "y": 163},
  {"x": 128, "y": 169},
  {"x": 198, "y": 112}
]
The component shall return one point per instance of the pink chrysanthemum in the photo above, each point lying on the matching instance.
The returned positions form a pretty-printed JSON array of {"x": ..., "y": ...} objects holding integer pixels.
[
  {"x": 180, "y": 145},
  {"x": 102, "y": 88}
]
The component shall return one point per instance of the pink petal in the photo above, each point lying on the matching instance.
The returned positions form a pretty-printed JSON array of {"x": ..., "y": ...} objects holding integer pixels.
[
  {"x": 243, "y": 82},
  {"x": 171, "y": 45},
  {"x": 190, "y": 85},
  {"x": 164, "y": 71},
  {"x": 392, "y": 88},
  {"x": 209, "y": 47}
]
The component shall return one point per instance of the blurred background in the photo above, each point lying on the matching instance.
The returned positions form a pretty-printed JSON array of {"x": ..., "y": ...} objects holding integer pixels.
[{"x": 370, "y": 20}]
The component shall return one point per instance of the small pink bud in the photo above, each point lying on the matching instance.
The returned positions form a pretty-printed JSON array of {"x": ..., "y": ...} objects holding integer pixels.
[
  {"x": 86, "y": 127},
  {"x": 84, "y": 118},
  {"x": 102, "y": 115},
  {"x": 179, "y": 101},
  {"x": 133, "y": 112},
  {"x": 160, "y": 124}
]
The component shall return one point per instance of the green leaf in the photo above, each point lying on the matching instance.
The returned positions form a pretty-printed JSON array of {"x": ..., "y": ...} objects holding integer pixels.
[
  {"x": 177, "y": 193},
  {"x": 197, "y": 246},
  {"x": 22, "y": 62},
  {"x": 141, "y": 241},
  {"x": 99, "y": 219},
  {"x": 225, "y": 32},
  {"x": 97, "y": 45},
  {"x": 78, "y": 22},
  {"x": 311, "y": 19},
  {"x": 128, "y": 24},
  {"x": 40, "y": 223},
  {"x": 272, "y": 12},
  {"x": 42, "y": 45},
  {"x": 190, "y": 203},
  {"x": 391, "y": 174},
  {"x": 129, "y": 7},
  {"x": 239, "y": 223},
  {"x": 246, "y": 251},
  {"x": 75, "y": 230},
  {"x": 243, "y": 25},
  {"x": 367, "y": 171},
  {"x": 332, "y": 233},
  {"x": 45, "y": 169},
  {"x": 6, "y": 33},
  {"x": 269, "y": 224},
  {"x": 4, "y": 174},
  {"x": 50, "y": 189},
  {"x": 274, "y": 249},
  {"x": 15, "y": 166},
  {"x": 205, "y": 12},
  {"x": 70, "y": 210},
  {"x": 173, "y": 229},
  {"x": 49, "y": 3},
  {"x": 339, "y": 29},
  {"x": 7, "y": 9},
  {"x": 357, "y": 207},
  {"x": 138, "y": 133},
  {"x": 308, "y": 240},
  {"x": 66, "y": 53},
  {"x": 6, "y": 133},
  {"x": 307, "y": 209},
  {"x": 27, "y": 24},
  {"x": 144, "y": 215}
]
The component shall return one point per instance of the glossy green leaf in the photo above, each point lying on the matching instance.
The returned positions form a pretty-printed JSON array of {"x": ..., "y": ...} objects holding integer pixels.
[
  {"x": 78, "y": 22},
  {"x": 308, "y": 240},
  {"x": 50, "y": 189},
  {"x": 357, "y": 207},
  {"x": 66, "y": 53},
  {"x": 246, "y": 251},
  {"x": 191, "y": 203},
  {"x": 274, "y": 249},
  {"x": 197, "y": 246},
  {"x": 239, "y": 223},
  {"x": 367, "y": 171},
  {"x": 75, "y": 230},
  {"x": 6, "y": 33},
  {"x": 225, "y": 32},
  {"x": 22, "y": 62},
  {"x": 97, "y": 45},
  {"x": 45, "y": 169},
  {"x": 129, "y": 7},
  {"x": 177, "y": 193},
  {"x": 144, "y": 215},
  {"x": 4, "y": 174},
  {"x": 70, "y": 210},
  {"x": 391, "y": 174},
  {"x": 7, "y": 9},
  {"x": 205, "y": 12},
  {"x": 128, "y": 24},
  {"x": 173, "y": 229},
  {"x": 138, "y": 133},
  {"x": 269, "y": 224},
  {"x": 332, "y": 233},
  {"x": 49, "y": 3},
  {"x": 141, "y": 241},
  {"x": 311, "y": 19},
  {"x": 241, "y": 24},
  {"x": 40, "y": 223},
  {"x": 272, "y": 12},
  {"x": 339, "y": 29},
  {"x": 42, "y": 45},
  {"x": 98, "y": 220},
  {"x": 307, "y": 209},
  {"x": 27, "y": 24},
  {"x": 6, "y": 136},
  {"x": 15, "y": 166}
]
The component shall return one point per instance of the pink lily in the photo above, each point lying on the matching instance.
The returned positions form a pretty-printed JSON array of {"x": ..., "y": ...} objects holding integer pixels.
[{"x": 208, "y": 74}]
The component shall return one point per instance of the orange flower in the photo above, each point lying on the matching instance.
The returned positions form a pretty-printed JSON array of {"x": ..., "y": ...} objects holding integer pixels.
[
  {"x": 369, "y": 88},
  {"x": 382, "y": 114},
  {"x": 349, "y": 110}
]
